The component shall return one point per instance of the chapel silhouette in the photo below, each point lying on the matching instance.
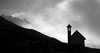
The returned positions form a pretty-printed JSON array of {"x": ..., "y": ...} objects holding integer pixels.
[{"x": 76, "y": 39}]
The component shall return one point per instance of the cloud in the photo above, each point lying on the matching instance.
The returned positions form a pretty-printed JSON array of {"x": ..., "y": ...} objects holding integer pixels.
[{"x": 18, "y": 14}]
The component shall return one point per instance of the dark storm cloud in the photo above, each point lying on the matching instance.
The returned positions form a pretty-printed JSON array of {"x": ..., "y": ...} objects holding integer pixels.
[
  {"x": 7, "y": 6},
  {"x": 91, "y": 12},
  {"x": 13, "y": 6},
  {"x": 10, "y": 4}
]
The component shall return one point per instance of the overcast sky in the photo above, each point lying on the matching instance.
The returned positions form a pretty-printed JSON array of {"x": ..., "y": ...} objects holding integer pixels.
[
  {"x": 12, "y": 6},
  {"x": 52, "y": 16}
]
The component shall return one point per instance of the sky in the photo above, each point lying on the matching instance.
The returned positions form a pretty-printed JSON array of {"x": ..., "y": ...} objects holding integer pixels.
[{"x": 52, "y": 16}]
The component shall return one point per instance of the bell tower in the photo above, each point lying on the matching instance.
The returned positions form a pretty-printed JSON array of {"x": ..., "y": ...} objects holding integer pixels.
[{"x": 69, "y": 32}]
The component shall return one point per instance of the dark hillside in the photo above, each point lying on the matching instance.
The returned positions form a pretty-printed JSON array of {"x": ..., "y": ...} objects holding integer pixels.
[{"x": 16, "y": 39}]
